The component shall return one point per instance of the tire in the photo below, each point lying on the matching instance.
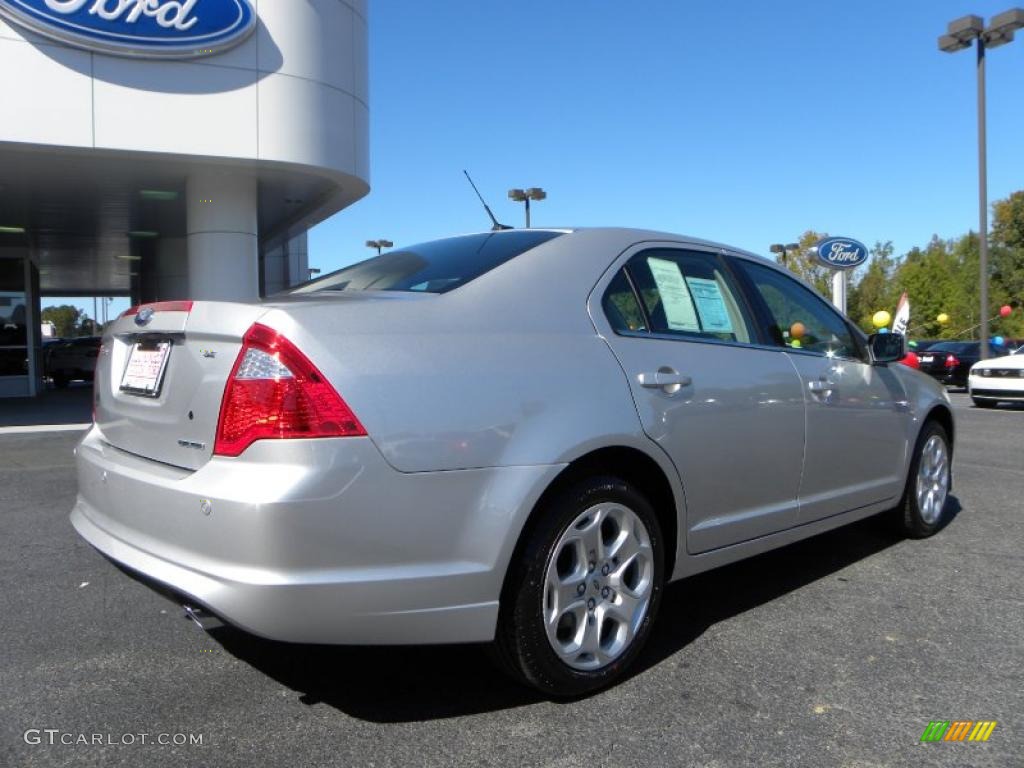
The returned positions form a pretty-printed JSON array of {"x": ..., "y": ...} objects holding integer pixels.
[
  {"x": 600, "y": 542},
  {"x": 924, "y": 501},
  {"x": 982, "y": 403}
]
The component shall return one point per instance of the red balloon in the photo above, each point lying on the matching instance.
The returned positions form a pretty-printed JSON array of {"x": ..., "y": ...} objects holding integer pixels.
[
  {"x": 1005, "y": 310},
  {"x": 911, "y": 360}
]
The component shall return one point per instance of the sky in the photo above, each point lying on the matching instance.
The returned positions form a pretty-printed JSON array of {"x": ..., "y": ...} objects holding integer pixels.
[{"x": 743, "y": 122}]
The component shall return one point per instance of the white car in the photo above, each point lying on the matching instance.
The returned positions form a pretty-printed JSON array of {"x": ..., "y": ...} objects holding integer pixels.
[{"x": 997, "y": 379}]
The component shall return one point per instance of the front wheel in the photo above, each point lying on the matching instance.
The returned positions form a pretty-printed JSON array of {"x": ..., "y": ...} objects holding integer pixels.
[
  {"x": 584, "y": 591},
  {"x": 924, "y": 501}
]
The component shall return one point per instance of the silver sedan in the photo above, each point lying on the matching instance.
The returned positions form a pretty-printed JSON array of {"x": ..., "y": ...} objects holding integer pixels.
[{"x": 515, "y": 437}]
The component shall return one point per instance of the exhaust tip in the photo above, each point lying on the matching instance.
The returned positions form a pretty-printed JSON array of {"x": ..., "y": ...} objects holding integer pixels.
[{"x": 201, "y": 617}]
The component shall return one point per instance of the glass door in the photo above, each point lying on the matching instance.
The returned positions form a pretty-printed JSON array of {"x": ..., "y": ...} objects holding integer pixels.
[{"x": 14, "y": 334}]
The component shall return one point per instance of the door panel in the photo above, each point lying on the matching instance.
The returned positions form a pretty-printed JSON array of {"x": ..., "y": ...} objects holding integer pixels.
[
  {"x": 856, "y": 438},
  {"x": 856, "y": 412},
  {"x": 728, "y": 413}
]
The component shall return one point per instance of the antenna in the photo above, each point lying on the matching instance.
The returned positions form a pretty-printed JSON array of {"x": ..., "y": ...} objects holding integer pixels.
[{"x": 497, "y": 227}]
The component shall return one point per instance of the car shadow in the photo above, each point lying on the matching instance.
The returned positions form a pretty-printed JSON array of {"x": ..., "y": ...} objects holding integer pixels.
[{"x": 421, "y": 683}]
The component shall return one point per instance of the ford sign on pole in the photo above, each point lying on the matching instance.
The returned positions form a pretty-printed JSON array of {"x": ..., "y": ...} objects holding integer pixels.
[
  {"x": 143, "y": 28},
  {"x": 841, "y": 252}
]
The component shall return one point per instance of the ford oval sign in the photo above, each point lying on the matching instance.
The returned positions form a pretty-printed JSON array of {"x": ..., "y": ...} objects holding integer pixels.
[
  {"x": 144, "y": 28},
  {"x": 841, "y": 252}
]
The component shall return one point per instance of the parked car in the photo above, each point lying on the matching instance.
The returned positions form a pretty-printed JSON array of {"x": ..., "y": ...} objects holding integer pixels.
[
  {"x": 517, "y": 437},
  {"x": 919, "y": 346},
  {"x": 72, "y": 360},
  {"x": 997, "y": 379},
  {"x": 950, "y": 361}
]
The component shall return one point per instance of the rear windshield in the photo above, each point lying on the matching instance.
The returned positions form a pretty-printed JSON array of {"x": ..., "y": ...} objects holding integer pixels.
[
  {"x": 956, "y": 347},
  {"x": 965, "y": 348},
  {"x": 434, "y": 267}
]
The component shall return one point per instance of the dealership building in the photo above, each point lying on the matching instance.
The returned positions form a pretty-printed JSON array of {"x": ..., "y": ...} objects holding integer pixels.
[{"x": 169, "y": 149}]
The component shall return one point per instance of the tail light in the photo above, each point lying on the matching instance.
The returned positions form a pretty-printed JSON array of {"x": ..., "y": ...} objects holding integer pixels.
[
  {"x": 952, "y": 361},
  {"x": 275, "y": 392}
]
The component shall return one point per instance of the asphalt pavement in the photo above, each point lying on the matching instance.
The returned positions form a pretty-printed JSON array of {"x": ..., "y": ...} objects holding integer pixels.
[{"x": 837, "y": 651}]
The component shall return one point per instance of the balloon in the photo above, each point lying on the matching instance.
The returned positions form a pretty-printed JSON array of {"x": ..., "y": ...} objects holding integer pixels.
[
  {"x": 881, "y": 318},
  {"x": 998, "y": 341},
  {"x": 883, "y": 330},
  {"x": 911, "y": 360},
  {"x": 1005, "y": 310},
  {"x": 912, "y": 344},
  {"x": 943, "y": 318},
  {"x": 797, "y": 330},
  {"x": 795, "y": 343}
]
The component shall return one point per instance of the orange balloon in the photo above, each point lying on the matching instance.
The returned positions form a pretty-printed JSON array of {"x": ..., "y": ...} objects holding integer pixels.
[{"x": 797, "y": 330}]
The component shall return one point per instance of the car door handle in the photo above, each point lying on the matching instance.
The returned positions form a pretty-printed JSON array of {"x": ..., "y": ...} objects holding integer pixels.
[
  {"x": 666, "y": 379},
  {"x": 821, "y": 386}
]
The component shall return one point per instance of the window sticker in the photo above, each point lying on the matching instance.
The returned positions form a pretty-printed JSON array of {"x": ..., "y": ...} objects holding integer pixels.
[
  {"x": 710, "y": 305},
  {"x": 675, "y": 298}
]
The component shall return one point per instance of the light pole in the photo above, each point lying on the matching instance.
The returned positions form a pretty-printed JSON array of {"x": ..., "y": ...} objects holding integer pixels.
[
  {"x": 525, "y": 196},
  {"x": 783, "y": 250},
  {"x": 961, "y": 33},
  {"x": 379, "y": 244}
]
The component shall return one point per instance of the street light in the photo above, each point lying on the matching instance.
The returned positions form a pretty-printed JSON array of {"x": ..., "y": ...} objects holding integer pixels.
[
  {"x": 525, "y": 196},
  {"x": 961, "y": 33},
  {"x": 783, "y": 250},
  {"x": 379, "y": 244}
]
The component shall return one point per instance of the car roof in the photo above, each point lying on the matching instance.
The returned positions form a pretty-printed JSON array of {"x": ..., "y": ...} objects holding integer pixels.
[{"x": 630, "y": 235}]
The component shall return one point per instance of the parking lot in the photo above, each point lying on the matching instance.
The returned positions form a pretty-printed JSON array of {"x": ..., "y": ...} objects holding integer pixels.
[{"x": 836, "y": 651}]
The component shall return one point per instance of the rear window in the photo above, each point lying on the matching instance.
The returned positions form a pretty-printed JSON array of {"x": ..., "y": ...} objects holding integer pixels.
[
  {"x": 956, "y": 347},
  {"x": 434, "y": 267},
  {"x": 965, "y": 348}
]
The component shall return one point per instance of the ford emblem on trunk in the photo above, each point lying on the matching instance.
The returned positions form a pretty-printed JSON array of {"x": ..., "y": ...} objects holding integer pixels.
[
  {"x": 144, "y": 316},
  {"x": 142, "y": 28}
]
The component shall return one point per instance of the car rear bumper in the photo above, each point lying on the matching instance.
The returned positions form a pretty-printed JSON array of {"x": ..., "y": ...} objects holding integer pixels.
[{"x": 313, "y": 540}]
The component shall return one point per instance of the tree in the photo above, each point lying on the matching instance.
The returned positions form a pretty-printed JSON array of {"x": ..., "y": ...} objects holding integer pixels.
[
  {"x": 875, "y": 288},
  {"x": 932, "y": 281},
  {"x": 804, "y": 263},
  {"x": 68, "y": 320},
  {"x": 1007, "y": 259}
]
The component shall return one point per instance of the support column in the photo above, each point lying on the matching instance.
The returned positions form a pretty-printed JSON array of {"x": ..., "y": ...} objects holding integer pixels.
[{"x": 223, "y": 256}]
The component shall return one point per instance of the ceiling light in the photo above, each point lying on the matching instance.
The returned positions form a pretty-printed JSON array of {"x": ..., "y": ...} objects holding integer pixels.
[
  {"x": 143, "y": 233},
  {"x": 12, "y": 230}
]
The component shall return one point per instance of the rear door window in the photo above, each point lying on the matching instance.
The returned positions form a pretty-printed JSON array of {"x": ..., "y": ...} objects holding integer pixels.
[{"x": 690, "y": 294}]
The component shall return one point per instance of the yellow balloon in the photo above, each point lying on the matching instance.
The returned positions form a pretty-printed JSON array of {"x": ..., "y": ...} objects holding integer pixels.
[
  {"x": 881, "y": 318},
  {"x": 795, "y": 343},
  {"x": 943, "y": 318},
  {"x": 797, "y": 330}
]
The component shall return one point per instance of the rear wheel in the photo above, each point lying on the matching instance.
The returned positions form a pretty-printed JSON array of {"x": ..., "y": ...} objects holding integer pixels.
[
  {"x": 983, "y": 403},
  {"x": 584, "y": 591},
  {"x": 924, "y": 501}
]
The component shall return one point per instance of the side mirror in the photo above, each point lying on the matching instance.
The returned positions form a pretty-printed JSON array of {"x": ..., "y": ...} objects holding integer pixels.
[{"x": 887, "y": 347}]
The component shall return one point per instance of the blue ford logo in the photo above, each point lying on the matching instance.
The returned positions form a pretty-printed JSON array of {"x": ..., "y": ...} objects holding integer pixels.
[
  {"x": 841, "y": 252},
  {"x": 145, "y": 28},
  {"x": 144, "y": 315}
]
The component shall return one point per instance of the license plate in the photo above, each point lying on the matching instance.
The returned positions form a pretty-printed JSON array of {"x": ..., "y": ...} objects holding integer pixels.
[
  {"x": 927, "y": 358},
  {"x": 144, "y": 373}
]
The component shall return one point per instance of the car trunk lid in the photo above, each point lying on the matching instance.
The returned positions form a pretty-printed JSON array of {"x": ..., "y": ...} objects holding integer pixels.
[{"x": 161, "y": 376}]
